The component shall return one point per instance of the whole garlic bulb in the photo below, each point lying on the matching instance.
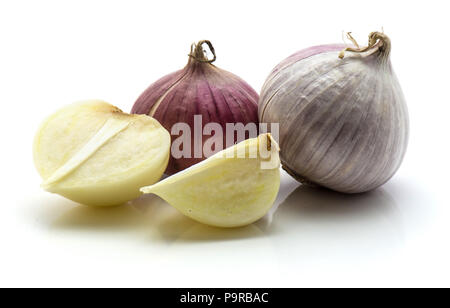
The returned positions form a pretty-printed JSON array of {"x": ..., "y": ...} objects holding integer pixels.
[
  {"x": 343, "y": 117},
  {"x": 199, "y": 89}
]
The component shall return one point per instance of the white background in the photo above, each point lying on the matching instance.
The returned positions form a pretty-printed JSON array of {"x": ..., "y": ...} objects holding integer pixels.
[{"x": 55, "y": 52}]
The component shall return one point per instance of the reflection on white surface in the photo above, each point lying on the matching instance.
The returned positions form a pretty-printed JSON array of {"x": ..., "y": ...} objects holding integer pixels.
[
  {"x": 171, "y": 226},
  {"x": 115, "y": 219},
  {"x": 318, "y": 218},
  {"x": 308, "y": 231},
  {"x": 312, "y": 214},
  {"x": 324, "y": 225}
]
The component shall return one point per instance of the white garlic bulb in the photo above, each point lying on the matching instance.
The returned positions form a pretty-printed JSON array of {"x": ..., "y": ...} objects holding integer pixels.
[{"x": 343, "y": 117}]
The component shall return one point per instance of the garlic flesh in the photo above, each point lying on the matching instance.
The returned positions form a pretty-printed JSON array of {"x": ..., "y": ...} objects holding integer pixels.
[
  {"x": 229, "y": 189},
  {"x": 94, "y": 154}
]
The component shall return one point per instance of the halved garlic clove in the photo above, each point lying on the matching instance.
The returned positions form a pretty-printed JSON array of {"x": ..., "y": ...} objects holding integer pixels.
[
  {"x": 232, "y": 188},
  {"x": 93, "y": 153}
]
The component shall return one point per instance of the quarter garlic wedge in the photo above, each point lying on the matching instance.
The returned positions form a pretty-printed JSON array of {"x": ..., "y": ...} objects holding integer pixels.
[
  {"x": 232, "y": 188},
  {"x": 93, "y": 153}
]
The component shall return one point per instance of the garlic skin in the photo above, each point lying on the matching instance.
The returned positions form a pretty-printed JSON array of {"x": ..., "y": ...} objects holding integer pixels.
[
  {"x": 200, "y": 88},
  {"x": 343, "y": 118}
]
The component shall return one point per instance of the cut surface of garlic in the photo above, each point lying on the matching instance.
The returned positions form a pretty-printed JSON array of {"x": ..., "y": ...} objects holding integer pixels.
[
  {"x": 94, "y": 154},
  {"x": 232, "y": 188}
]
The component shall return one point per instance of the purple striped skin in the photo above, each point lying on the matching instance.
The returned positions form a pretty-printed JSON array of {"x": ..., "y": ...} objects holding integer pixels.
[
  {"x": 198, "y": 89},
  {"x": 344, "y": 123},
  {"x": 305, "y": 53},
  {"x": 298, "y": 56}
]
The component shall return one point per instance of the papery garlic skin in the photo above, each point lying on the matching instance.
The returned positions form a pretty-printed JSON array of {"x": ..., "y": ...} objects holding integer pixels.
[
  {"x": 226, "y": 190},
  {"x": 200, "y": 88},
  {"x": 343, "y": 122}
]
